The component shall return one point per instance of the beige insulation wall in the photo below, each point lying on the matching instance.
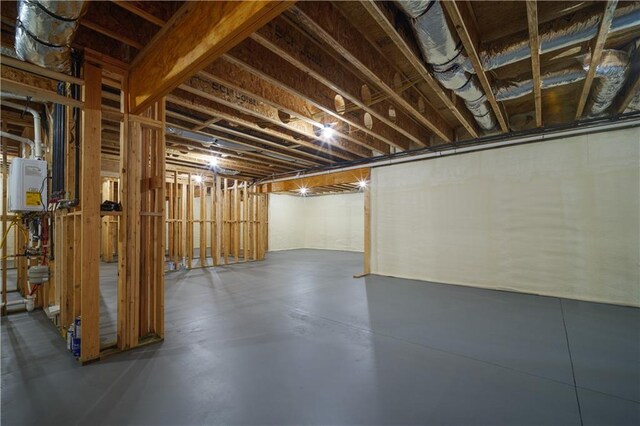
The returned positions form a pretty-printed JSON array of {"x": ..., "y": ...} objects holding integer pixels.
[
  {"x": 555, "y": 218},
  {"x": 332, "y": 222}
]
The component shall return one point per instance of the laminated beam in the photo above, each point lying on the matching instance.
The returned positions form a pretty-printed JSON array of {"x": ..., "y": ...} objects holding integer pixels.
[
  {"x": 336, "y": 178},
  {"x": 188, "y": 100},
  {"x": 328, "y": 24},
  {"x": 256, "y": 59},
  {"x": 291, "y": 108},
  {"x": 197, "y": 34},
  {"x": 283, "y": 39},
  {"x": 596, "y": 53},
  {"x": 470, "y": 41},
  {"x": 379, "y": 12},
  {"x": 262, "y": 109}
]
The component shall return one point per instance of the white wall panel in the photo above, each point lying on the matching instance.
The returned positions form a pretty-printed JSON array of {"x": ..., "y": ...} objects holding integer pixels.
[
  {"x": 557, "y": 218},
  {"x": 332, "y": 222}
]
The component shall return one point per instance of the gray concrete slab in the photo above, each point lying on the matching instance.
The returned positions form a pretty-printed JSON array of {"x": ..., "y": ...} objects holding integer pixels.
[
  {"x": 605, "y": 347},
  {"x": 297, "y": 340}
]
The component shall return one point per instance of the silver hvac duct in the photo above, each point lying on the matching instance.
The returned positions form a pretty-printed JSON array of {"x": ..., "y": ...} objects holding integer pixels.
[
  {"x": 610, "y": 76},
  {"x": 45, "y": 29},
  {"x": 558, "y": 34},
  {"x": 442, "y": 50},
  {"x": 634, "y": 104}
]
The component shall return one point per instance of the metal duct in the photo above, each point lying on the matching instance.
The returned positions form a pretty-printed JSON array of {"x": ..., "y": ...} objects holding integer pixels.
[
  {"x": 610, "y": 75},
  {"x": 44, "y": 31},
  {"x": 612, "y": 72},
  {"x": 442, "y": 50},
  {"x": 634, "y": 104},
  {"x": 558, "y": 34}
]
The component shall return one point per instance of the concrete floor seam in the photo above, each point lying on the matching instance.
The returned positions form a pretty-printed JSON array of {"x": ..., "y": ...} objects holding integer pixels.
[{"x": 573, "y": 371}]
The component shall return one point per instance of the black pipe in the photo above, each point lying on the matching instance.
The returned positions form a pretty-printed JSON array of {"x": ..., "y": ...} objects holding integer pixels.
[
  {"x": 452, "y": 146},
  {"x": 59, "y": 146},
  {"x": 75, "y": 94}
]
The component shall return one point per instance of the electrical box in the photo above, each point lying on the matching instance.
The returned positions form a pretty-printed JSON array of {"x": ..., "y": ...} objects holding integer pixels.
[{"x": 27, "y": 185}]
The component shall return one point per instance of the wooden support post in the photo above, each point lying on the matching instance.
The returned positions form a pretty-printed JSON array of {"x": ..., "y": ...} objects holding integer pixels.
[
  {"x": 236, "y": 221},
  {"x": 5, "y": 170},
  {"x": 90, "y": 217},
  {"x": 367, "y": 230},
  {"x": 203, "y": 224},
  {"x": 245, "y": 222},
  {"x": 225, "y": 221}
]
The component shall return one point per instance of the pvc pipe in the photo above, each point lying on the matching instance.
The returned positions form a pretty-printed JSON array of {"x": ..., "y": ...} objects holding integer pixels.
[
  {"x": 19, "y": 139},
  {"x": 37, "y": 128}
]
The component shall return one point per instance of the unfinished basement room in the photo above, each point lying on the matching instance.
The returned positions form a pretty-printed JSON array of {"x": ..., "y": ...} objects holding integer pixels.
[{"x": 418, "y": 212}]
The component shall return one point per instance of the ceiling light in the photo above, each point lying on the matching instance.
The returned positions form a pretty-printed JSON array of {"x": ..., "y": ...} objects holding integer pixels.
[
  {"x": 362, "y": 183},
  {"x": 197, "y": 178},
  {"x": 327, "y": 132},
  {"x": 213, "y": 161},
  {"x": 303, "y": 191}
]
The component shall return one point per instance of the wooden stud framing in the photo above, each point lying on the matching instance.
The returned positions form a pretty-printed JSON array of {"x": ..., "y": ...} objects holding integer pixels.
[
  {"x": 331, "y": 26},
  {"x": 90, "y": 216},
  {"x": 596, "y": 54},
  {"x": 197, "y": 34},
  {"x": 470, "y": 43},
  {"x": 534, "y": 45}
]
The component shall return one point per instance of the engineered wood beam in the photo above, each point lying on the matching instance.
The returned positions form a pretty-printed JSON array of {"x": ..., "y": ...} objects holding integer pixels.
[
  {"x": 196, "y": 34},
  {"x": 247, "y": 103},
  {"x": 596, "y": 53},
  {"x": 336, "y": 178},
  {"x": 290, "y": 44},
  {"x": 470, "y": 40},
  {"x": 294, "y": 107},
  {"x": 328, "y": 24},
  {"x": 316, "y": 99},
  {"x": 245, "y": 139},
  {"x": 187, "y": 100},
  {"x": 384, "y": 17},
  {"x": 534, "y": 45}
]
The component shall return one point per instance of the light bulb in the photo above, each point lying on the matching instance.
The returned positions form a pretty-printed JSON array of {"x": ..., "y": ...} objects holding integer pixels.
[
  {"x": 197, "y": 178},
  {"x": 362, "y": 183},
  {"x": 213, "y": 161},
  {"x": 303, "y": 191},
  {"x": 327, "y": 132}
]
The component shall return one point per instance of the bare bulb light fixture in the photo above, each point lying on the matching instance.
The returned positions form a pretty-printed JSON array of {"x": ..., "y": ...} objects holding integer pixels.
[
  {"x": 303, "y": 191},
  {"x": 362, "y": 184},
  {"x": 327, "y": 132},
  {"x": 213, "y": 161},
  {"x": 197, "y": 178}
]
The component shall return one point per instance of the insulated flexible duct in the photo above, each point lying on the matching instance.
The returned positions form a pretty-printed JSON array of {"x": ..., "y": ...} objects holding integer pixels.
[
  {"x": 442, "y": 50},
  {"x": 554, "y": 35},
  {"x": 610, "y": 75},
  {"x": 44, "y": 31}
]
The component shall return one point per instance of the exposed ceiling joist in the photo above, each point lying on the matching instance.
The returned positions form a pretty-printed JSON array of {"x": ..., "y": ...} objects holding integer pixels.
[
  {"x": 470, "y": 41},
  {"x": 196, "y": 34},
  {"x": 596, "y": 54},
  {"x": 383, "y": 16},
  {"x": 329, "y": 25},
  {"x": 313, "y": 61},
  {"x": 534, "y": 45}
]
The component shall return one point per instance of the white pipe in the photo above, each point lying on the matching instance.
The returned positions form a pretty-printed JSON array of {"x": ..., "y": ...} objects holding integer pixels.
[
  {"x": 37, "y": 127},
  {"x": 18, "y": 138},
  {"x": 595, "y": 128}
]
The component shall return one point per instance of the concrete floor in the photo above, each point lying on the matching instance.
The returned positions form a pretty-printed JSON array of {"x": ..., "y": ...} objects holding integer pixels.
[{"x": 296, "y": 339}]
